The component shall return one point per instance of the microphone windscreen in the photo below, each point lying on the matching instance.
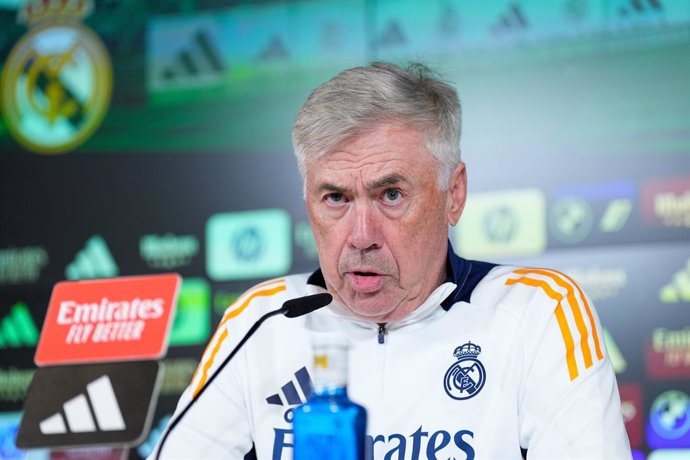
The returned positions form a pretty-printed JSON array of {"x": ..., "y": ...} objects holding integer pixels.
[{"x": 307, "y": 304}]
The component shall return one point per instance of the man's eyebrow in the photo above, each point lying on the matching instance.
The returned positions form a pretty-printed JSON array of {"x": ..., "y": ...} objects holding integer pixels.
[
  {"x": 386, "y": 181},
  {"x": 326, "y": 187}
]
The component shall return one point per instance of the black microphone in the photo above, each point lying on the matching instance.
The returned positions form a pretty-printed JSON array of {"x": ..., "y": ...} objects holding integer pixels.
[
  {"x": 291, "y": 308},
  {"x": 303, "y": 305}
]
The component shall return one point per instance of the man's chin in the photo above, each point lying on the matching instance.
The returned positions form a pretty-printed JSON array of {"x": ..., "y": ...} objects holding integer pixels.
[{"x": 375, "y": 308}]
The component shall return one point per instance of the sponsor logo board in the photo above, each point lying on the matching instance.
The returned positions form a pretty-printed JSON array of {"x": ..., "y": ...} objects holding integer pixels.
[
  {"x": 639, "y": 14},
  {"x": 22, "y": 265},
  {"x": 17, "y": 328},
  {"x": 503, "y": 224},
  {"x": 602, "y": 209},
  {"x": 192, "y": 324},
  {"x": 93, "y": 261},
  {"x": 667, "y": 354},
  {"x": 249, "y": 244},
  {"x": 94, "y": 404},
  {"x": 669, "y": 421},
  {"x": 108, "y": 320},
  {"x": 14, "y": 383},
  {"x": 168, "y": 251},
  {"x": 177, "y": 374},
  {"x": 632, "y": 409},
  {"x": 678, "y": 288},
  {"x": 666, "y": 202},
  {"x": 184, "y": 52}
]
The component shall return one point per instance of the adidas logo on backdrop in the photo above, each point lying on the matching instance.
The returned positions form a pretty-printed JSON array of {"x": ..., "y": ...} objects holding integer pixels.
[
  {"x": 84, "y": 405},
  {"x": 101, "y": 398},
  {"x": 17, "y": 329},
  {"x": 94, "y": 261}
]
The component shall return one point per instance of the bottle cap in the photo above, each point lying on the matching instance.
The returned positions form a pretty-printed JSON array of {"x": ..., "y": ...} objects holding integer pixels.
[{"x": 330, "y": 361}]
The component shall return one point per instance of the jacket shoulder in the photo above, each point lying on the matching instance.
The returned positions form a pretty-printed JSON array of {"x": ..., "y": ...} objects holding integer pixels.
[
  {"x": 553, "y": 310},
  {"x": 529, "y": 291},
  {"x": 264, "y": 297}
]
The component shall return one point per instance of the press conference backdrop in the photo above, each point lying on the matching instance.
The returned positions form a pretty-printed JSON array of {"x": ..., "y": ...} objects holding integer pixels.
[{"x": 147, "y": 137}]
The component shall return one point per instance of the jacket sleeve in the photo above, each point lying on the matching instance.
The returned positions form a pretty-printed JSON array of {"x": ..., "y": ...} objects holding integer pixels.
[
  {"x": 569, "y": 406},
  {"x": 217, "y": 426}
]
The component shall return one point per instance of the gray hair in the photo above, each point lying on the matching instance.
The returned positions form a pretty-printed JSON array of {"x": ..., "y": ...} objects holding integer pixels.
[{"x": 358, "y": 100}]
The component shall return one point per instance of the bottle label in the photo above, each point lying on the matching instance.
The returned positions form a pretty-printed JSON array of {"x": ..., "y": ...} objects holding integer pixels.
[{"x": 330, "y": 367}]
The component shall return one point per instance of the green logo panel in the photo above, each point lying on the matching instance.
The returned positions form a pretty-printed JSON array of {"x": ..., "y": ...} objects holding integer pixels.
[
  {"x": 250, "y": 244},
  {"x": 192, "y": 323},
  {"x": 505, "y": 223},
  {"x": 17, "y": 329}
]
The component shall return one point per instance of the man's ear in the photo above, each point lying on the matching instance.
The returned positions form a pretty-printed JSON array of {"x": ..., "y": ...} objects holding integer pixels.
[{"x": 457, "y": 194}]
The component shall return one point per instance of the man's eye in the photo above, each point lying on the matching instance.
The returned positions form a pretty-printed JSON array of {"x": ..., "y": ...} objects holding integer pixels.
[
  {"x": 392, "y": 195},
  {"x": 334, "y": 198}
]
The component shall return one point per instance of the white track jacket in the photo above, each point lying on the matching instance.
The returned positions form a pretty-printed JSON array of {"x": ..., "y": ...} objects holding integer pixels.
[{"x": 498, "y": 363}]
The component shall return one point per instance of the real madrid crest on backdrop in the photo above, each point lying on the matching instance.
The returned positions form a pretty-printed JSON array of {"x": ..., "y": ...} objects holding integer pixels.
[
  {"x": 57, "y": 81},
  {"x": 466, "y": 377}
]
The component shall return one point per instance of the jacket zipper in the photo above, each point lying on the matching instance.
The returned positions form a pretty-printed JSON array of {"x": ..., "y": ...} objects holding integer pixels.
[
  {"x": 382, "y": 358},
  {"x": 382, "y": 333}
]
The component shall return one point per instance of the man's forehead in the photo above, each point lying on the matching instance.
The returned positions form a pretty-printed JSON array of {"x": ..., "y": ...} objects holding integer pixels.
[
  {"x": 371, "y": 177},
  {"x": 387, "y": 155},
  {"x": 386, "y": 180},
  {"x": 387, "y": 140}
]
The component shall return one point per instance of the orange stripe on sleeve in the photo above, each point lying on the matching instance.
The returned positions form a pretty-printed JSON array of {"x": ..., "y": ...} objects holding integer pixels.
[
  {"x": 265, "y": 293},
  {"x": 222, "y": 332},
  {"x": 574, "y": 308},
  {"x": 209, "y": 363},
  {"x": 253, "y": 290},
  {"x": 239, "y": 299},
  {"x": 595, "y": 333},
  {"x": 560, "y": 318}
]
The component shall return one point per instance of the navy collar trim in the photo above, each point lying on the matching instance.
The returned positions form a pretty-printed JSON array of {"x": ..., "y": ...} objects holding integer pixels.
[
  {"x": 465, "y": 274},
  {"x": 316, "y": 279}
]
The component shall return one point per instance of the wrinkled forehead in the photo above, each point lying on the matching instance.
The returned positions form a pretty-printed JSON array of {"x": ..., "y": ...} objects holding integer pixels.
[
  {"x": 349, "y": 136},
  {"x": 392, "y": 140}
]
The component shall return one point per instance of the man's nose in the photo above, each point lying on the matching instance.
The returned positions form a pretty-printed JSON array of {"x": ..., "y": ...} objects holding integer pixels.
[{"x": 366, "y": 227}]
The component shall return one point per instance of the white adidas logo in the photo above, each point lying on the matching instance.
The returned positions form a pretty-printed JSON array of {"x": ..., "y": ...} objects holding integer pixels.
[{"x": 79, "y": 420}]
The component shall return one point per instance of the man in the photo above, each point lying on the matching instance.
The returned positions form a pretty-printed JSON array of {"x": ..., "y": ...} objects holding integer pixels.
[{"x": 453, "y": 359}]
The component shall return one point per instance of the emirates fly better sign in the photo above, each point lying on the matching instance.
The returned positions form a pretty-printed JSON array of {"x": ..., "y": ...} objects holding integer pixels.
[{"x": 115, "y": 319}]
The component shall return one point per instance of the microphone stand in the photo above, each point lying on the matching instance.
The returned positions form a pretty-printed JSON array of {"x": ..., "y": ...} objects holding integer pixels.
[
  {"x": 249, "y": 333},
  {"x": 290, "y": 309}
]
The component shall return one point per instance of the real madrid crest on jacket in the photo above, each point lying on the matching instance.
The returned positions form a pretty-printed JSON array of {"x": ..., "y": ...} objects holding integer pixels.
[
  {"x": 497, "y": 361},
  {"x": 466, "y": 377}
]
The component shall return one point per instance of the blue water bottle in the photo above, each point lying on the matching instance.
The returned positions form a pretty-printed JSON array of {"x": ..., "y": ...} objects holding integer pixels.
[{"x": 329, "y": 426}]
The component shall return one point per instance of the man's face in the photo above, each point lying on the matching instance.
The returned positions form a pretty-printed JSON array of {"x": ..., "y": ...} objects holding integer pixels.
[{"x": 380, "y": 221}]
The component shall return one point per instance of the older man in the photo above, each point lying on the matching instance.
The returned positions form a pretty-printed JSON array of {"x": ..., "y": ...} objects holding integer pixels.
[{"x": 454, "y": 359}]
